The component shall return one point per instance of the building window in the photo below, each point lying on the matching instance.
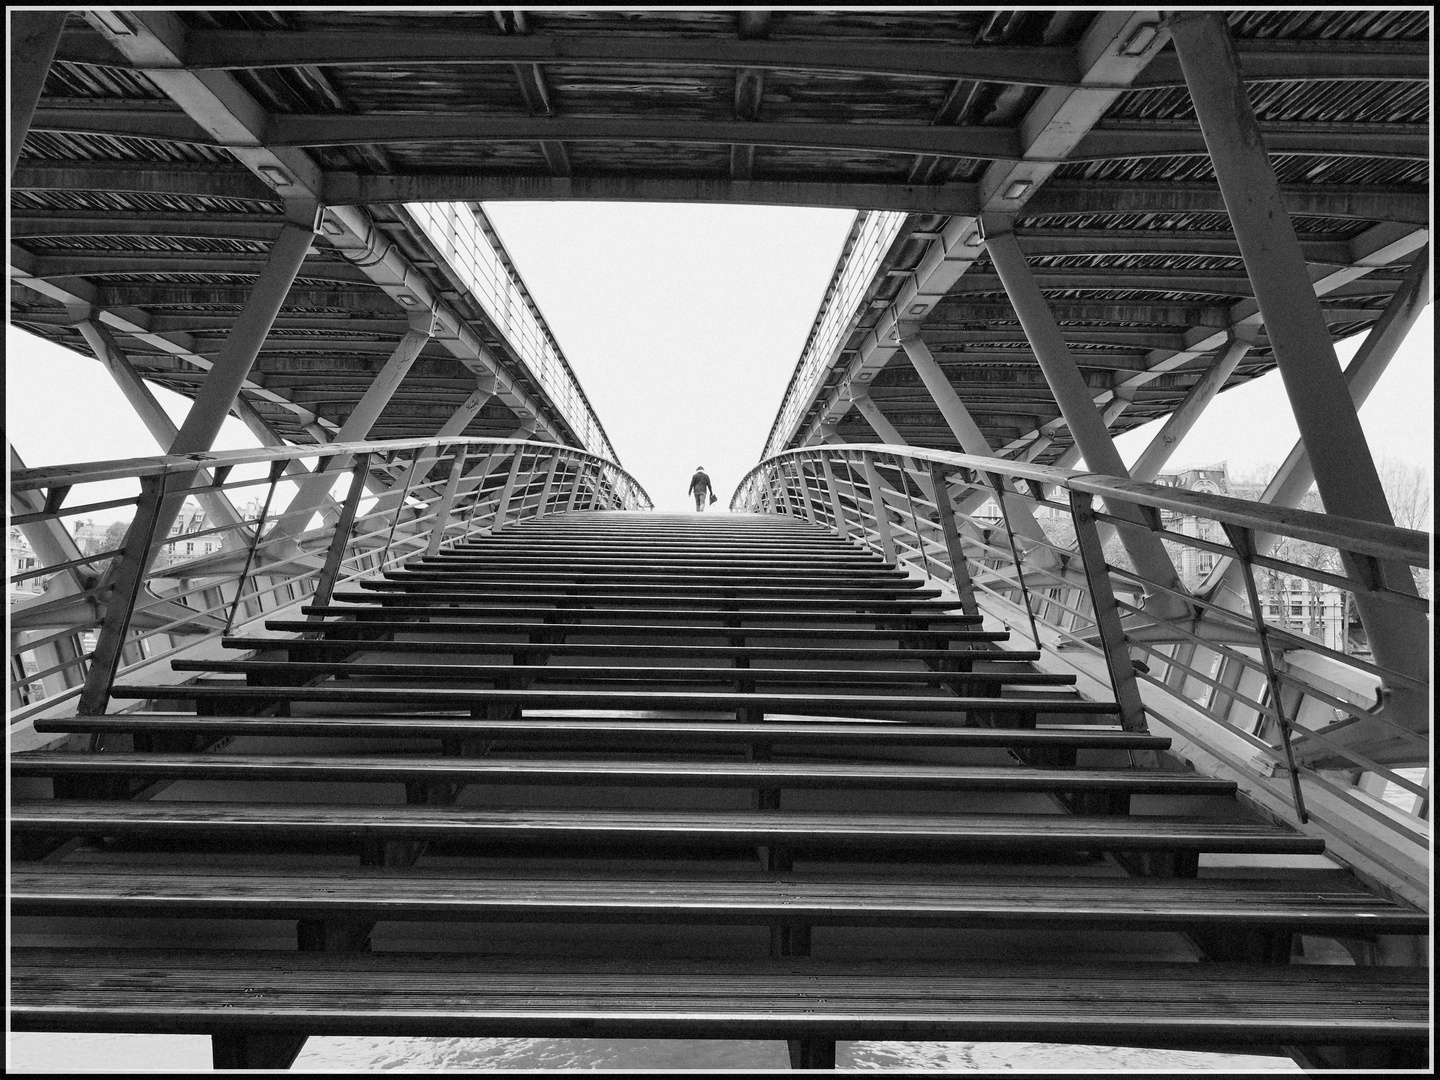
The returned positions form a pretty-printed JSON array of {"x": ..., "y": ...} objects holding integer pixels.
[
  {"x": 189, "y": 549},
  {"x": 1297, "y": 609},
  {"x": 1274, "y": 609}
]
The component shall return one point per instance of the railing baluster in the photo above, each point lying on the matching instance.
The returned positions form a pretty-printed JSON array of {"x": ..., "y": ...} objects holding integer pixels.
[
  {"x": 139, "y": 551},
  {"x": 447, "y": 502},
  {"x": 1015, "y": 554},
  {"x": 1107, "y": 614},
  {"x": 277, "y": 470},
  {"x": 950, "y": 530},
  {"x": 877, "y": 507},
  {"x": 1243, "y": 541},
  {"x": 334, "y": 556}
]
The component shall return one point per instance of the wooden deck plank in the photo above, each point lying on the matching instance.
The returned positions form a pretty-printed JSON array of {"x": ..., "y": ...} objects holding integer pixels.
[
  {"x": 211, "y": 822},
  {"x": 750, "y": 774},
  {"x": 831, "y": 676},
  {"x": 612, "y": 730},
  {"x": 430, "y": 697},
  {"x": 459, "y": 994},
  {"x": 456, "y": 625},
  {"x": 1088, "y": 903}
]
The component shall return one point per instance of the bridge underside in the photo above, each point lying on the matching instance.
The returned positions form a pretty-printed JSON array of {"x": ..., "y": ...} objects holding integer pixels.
[{"x": 165, "y": 149}]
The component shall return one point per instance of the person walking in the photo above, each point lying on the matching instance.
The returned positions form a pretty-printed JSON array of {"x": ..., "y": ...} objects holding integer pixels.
[{"x": 700, "y": 488}]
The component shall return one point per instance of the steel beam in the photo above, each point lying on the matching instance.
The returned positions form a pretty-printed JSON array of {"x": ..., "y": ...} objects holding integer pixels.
[
  {"x": 157, "y": 421},
  {"x": 966, "y": 431},
  {"x": 421, "y": 465},
  {"x": 1330, "y": 430},
  {"x": 34, "y": 36},
  {"x": 242, "y": 345},
  {"x": 314, "y": 488},
  {"x": 1087, "y": 427},
  {"x": 1178, "y": 424},
  {"x": 1055, "y": 124},
  {"x": 363, "y": 189},
  {"x": 1083, "y": 197},
  {"x": 1295, "y": 476}
]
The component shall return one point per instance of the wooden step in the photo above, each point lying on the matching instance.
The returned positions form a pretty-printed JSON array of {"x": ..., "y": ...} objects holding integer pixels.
[
  {"x": 865, "y": 654},
  {"x": 370, "y": 768},
  {"x": 756, "y": 703},
  {"x": 579, "y": 731},
  {"x": 482, "y": 603},
  {"x": 483, "y": 568},
  {"x": 455, "y": 625},
  {"x": 1079, "y": 903},
  {"x": 701, "y": 585},
  {"x": 980, "y": 682},
  {"x": 834, "y": 595},
  {"x": 231, "y": 823},
  {"x": 449, "y": 994}
]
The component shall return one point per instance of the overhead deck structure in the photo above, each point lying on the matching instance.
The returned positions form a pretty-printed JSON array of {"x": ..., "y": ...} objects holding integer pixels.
[{"x": 1068, "y": 224}]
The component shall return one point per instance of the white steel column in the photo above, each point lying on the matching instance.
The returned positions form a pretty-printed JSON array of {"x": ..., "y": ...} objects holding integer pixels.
[
  {"x": 157, "y": 421},
  {"x": 34, "y": 36},
  {"x": 1295, "y": 476},
  {"x": 1330, "y": 430},
  {"x": 1077, "y": 406},
  {"x": 962, "y": 425},
  {"x": 1178, "y": 423},
  {"x": 237, "y": 354},
  {"x": 315, "y": 488}
]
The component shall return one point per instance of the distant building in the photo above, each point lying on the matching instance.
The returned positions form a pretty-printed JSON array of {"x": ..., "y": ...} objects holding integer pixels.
[
  {"x": 1291, "y": 602},
  {"x": 19, "y": 558},
  {"x": 183, "y": 544}
]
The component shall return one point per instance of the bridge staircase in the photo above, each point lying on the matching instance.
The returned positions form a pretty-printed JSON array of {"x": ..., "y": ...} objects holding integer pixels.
[{"x": 637, "y": 775}]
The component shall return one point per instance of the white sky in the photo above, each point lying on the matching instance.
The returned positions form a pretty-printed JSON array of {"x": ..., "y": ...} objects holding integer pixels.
[{"x": 683, "y": 324}]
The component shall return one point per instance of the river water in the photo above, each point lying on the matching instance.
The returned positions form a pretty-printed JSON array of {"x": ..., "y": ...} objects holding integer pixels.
[{"x": 37, "y": 1052}]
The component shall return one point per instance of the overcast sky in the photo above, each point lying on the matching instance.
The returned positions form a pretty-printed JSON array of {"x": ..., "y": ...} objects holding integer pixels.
[{"x": 683, "y": 324}]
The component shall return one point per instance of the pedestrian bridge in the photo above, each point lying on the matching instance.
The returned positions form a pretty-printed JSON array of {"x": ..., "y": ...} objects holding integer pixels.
[{"x": 930, "y": 738}]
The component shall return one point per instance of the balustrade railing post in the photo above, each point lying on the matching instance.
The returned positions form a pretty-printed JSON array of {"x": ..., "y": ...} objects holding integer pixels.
[
  {"x": 1107, "y": 614},
  {"x": 335, "y": 555},
  {"x": 574, "y": 486},
  {"x": 877, "y": 506},
  {"x": 997, "y": 484},
  {"x": 277, "y": 470},
  {"x": 549, "y": 483},
  {"x": 804, "y": 489},
  {"x": 915, "y": 517},
  {"x": 836, "y": 506},
  {"x": 447, "y": 503},
  {"x": 395, "y": 521},
  {"x": 950, "y": 530},
  {"x": 129, "y": 579},
  {"x": 503, "y": 506},
  {"x": 1243, "y": 542}
]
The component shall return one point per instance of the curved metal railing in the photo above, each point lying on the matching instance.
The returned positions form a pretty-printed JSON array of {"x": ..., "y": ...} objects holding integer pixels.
[
  {"x": 1314, "y": 732},
  {"x": 113, "y": 612}
]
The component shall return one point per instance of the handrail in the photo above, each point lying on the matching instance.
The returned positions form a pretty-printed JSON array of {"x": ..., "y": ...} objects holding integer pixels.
[
  {"x": 144, "y": 607},
  {"x": 1224, "y": 675}
]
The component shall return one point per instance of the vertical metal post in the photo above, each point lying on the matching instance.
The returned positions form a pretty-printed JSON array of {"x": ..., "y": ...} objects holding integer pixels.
[
  {"x": 1107, "y": 614},
  {"x": 128, "y": 581},
  {"x": 394, "y": 520},
  {"x": 914, "y": 517},
  {"x": 484, "y": 471},
  {"x": 996, "y": 483},
  {"x": 277, "y": 470},
  {"x": 503, "y": 506},
  {"x": 549, "y": 483},
  {"x": 1330, "y": 430},
  {"x": 950, "y": 530},
  {"x": 330, "y": 572},
  {"x": 1077, "y": 406},
  {"x": 1243, "y": 541},
  {"x": 804, "y": 489},
  {"x": 836, "y": 506},
  {"x": 877, "y": 506},
  {"x": 447, "y": 503}
]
